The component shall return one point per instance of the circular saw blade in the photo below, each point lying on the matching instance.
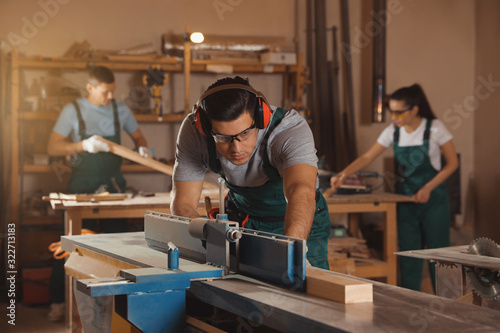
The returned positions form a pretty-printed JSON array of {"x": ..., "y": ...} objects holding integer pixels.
[{"x": 484, "y": 281}]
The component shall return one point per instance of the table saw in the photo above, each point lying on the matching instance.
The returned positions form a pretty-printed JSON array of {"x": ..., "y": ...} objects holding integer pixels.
[
  {"x": 258, "y": 276},
  {"x": 471, "y": 273}
]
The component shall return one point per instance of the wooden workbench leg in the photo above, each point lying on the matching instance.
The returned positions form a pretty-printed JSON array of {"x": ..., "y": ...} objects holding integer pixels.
[
  {"x": 390, "y": 243},
  {"x": 72, "y": 316},
  {"x": 354, "y": 225},
  {"x": 72, "y": 222},
  {"x": 72, "y": 226}
]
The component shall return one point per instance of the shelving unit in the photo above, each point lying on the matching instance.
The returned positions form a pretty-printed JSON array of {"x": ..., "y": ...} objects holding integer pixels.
[{"x": 293, "y": 82}]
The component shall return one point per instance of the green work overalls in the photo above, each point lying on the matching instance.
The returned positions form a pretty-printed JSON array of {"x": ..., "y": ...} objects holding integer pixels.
[
  {"x": 263, "y": 208},
  {"x": 419, "y": 224},
  {"x": 92, "y": 170}
]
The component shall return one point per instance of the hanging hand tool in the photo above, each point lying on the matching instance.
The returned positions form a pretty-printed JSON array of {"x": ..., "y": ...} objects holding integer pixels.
[{"x": 154, "y": 80}]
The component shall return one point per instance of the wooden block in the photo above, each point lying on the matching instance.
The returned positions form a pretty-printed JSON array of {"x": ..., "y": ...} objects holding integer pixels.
[{"x": 337, "y": 288}]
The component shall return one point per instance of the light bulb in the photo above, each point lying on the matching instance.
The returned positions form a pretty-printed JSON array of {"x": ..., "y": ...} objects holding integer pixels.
[{"x": 197, "y": 37}]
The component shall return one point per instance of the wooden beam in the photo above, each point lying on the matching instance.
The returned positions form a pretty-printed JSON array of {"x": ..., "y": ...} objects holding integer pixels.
[
  {"x": 149, "y": 162},
  {"x": 14, "y": 134},
  {"x": 337, "y": 287},
  {"x": 187, "y": 72},
  {"x": 129, "y": 154}
]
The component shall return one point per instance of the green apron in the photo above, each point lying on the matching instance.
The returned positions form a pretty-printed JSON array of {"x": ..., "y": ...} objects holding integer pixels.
[
  {"x": 419, "y": 224},
  {"x": 263, "y": 208},
  {"x": 93, "y": 170}
]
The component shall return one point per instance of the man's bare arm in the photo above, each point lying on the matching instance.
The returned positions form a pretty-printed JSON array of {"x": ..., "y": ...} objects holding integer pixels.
[
  {"x": 138, "y": 138},
  {"x": 185, "y": 198},
  {"x": 59, "y": 145},
  {"x": 299, "y": 185}
]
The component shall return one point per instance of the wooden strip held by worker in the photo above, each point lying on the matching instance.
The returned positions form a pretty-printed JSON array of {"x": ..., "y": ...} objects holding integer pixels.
[
  {"x": 149, "y": 162},
  {"x": 136, "y": 157}
]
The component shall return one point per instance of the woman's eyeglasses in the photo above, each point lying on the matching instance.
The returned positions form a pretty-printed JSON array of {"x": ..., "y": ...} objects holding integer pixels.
[
  {"x": 399, "y": 113},
  {"x": 241, "y": 136}
]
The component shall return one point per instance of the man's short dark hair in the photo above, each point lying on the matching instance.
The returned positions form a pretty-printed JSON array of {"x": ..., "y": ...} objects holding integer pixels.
[
  {"x": 100, "y": 74},
  {"x": 228, "y": 105}
]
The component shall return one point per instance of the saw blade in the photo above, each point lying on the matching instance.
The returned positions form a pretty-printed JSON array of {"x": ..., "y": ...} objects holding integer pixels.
[{"x": 485, "y": 282}]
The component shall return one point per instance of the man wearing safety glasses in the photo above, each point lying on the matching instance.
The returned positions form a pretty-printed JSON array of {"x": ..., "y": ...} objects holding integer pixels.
[{"x": 267, "y": 157}]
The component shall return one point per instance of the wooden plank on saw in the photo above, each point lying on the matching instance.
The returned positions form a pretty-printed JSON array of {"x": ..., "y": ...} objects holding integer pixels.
[{"x": 337, "y": 287}]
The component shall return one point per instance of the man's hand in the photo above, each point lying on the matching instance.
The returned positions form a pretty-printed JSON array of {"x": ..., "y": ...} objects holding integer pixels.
[
  {"x": 145, "y": 152},
  {"x": 94, "y": 145}
]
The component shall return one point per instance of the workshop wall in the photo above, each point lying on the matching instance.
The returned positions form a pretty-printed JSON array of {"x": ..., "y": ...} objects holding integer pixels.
[
  {"x": 432, "y": 43},
  {"x": 429, "y": 42},
  {"x": 483, "y": 111}
]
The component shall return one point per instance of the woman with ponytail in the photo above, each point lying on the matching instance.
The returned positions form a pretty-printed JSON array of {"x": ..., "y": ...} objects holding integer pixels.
[{"x": 418, "y": 140}]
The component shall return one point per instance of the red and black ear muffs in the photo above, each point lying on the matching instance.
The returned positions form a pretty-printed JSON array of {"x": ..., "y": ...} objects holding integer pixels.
[{"x": 262, "y": 114}]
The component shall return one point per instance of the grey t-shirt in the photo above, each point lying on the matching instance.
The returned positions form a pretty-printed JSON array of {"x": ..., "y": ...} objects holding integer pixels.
[{"x": 290, "y": 143}]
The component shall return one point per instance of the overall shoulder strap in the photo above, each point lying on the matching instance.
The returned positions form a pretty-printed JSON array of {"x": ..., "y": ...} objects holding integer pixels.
[
  {"x": 116, "y": 120},
  {"x": 82, "y": 129},
  {"x": 427, "y": 132},
  {"x": 396, "y": 134},
  {"x": 278, "y": 115}
]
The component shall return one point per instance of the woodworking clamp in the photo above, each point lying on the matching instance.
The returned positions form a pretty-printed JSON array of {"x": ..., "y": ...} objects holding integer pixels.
[{"x": 197, "y": 249}]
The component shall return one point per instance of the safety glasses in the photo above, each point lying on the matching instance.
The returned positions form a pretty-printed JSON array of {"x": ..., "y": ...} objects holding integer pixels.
[
  {"x": 241, "y": 136},
  {"x": 399, "y": 113}
]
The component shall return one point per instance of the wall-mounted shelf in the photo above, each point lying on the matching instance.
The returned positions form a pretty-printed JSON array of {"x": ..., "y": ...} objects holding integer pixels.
[
  {"x": 142, "y": 118},
  {"x": 167, "y": 66},
  {"x": 132, "y": 168}
]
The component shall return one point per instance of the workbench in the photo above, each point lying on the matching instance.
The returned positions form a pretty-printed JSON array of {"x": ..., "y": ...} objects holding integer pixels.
[
  {"x": 394, "y": 309},
  {"x": 131, "y": 207},
  {"x": 370, "y": 203},
  {"x": 137, "y": 206}
]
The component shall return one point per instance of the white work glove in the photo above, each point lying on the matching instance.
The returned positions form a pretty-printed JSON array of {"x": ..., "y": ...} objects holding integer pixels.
[
  {"x": 145, "y": 152},
  {"x": 94, "y": 145}
]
